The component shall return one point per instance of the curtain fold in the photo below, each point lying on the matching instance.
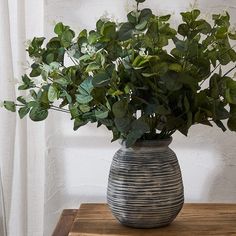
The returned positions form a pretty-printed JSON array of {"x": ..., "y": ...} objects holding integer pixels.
[
  {"x": 22, "y": 143},
  {"x": 7, "y": 121},
  {"x": 45, "y": 170}
]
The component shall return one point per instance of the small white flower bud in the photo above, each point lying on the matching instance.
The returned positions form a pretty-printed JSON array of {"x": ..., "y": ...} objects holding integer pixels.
[
  {"x": 142, "y": 52},
  {"x": 91, "y": 49},
  {"x": 84, "y": 49},
  {"x": 210, "y": 47}
]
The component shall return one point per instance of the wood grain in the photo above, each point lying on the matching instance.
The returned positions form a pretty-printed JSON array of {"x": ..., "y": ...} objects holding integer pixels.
[
  {"x": 194, "y": 219},
  {"x": 65, "y": 222}
]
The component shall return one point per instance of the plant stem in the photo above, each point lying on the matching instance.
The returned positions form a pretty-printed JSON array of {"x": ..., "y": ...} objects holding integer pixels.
[
  {"x": 55, "y": 109},
  {"x": 50, "y": 79},
  {"x": 229, "y": 71},
  {"x": 72, "y": 58},
  {"x": 73, "y": 61},
  {"x": 60, "y": 108},
  {"x": 217, "y": 65}
]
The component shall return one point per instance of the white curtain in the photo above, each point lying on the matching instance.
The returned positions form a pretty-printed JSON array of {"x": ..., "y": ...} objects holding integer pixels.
[
  {"x": 21, "y": 143},
  {"x": 46, "y": 168}
]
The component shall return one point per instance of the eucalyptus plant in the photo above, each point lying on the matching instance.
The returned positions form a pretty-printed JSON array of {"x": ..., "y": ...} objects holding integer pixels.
[{"x": 142, "y": 78}]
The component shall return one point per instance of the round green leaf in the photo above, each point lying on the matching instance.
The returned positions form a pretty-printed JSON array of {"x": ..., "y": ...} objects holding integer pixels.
[
  {"x": 21, "y": 100},
  {"x": 10, "y": 106},
  {"x": 120, "y": 108},
  {"x": 101, "y": 114},
  {"x": 175, "y": 67},
  {"x": 59, "y": 27},
  {"x": 52, "y": 93},
  {"x": 139, "y": 128},
  {"x": 66, "y": 38},
  {"x": 165, "y": 18},
  {"x": 195, "y": 14},
  {"x": 93, "y": 66},
  {"x": 126, "y": 31},
  {"x": 84, "y": 98},
  {"x": 84, "y": 108},
  {"x": 142, "y": 25},
  {"x": 172, "y": 81},
  {"x": 132, "y": 17},
  {"x": 101, "y": 79},
  {"x": 84, "y": 90},
  {"x": 183, "y": 29},
  {"x": 122, "y": 124},
  {"x": 23, "y": 111},
  {"x": 108, "y": 30},
  {"x": 38, "y": 114}
]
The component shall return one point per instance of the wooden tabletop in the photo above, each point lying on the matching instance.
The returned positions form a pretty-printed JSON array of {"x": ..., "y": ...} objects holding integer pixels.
[{"x": 194, "y": 219}]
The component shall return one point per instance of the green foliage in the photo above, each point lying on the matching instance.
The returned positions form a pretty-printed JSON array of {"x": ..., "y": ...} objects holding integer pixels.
[
  {"x": 10, "y": 106},
  {"x": 123, "y": 77},
  {"x": 37, "y": 113},
  {"x": 84, "y": 91},
  {"x": 27, "y": 83}
]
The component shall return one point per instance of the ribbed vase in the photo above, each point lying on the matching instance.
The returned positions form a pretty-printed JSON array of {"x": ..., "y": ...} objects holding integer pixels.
[{"x": 145, "y": 188}]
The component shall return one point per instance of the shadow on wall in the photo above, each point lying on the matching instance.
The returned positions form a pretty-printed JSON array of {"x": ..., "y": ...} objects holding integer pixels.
[
  {"x": 204, "y": 156},
  {"x": 223, "y": 187},
  {"x": 223, "y": 179},
  {"x": 208, "y": 161}
]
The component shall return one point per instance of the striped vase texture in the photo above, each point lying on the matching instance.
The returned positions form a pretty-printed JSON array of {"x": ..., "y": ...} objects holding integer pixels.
[{"x": 145, "y": 188}]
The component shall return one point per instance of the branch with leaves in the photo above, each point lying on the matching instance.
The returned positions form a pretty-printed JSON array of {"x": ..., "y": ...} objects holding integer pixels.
[{"x": 121, "y": 75}]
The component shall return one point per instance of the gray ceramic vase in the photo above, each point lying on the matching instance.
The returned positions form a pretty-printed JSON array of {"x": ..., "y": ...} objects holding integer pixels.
[{"x": 145, "y": 188}]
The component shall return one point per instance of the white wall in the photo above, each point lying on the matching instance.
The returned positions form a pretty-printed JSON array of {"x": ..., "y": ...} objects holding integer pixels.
[{"x": 77, "y": 163}]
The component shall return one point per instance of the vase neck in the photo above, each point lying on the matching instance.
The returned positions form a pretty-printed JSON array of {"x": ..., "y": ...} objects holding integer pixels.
[{"x": 160, "y": 143}]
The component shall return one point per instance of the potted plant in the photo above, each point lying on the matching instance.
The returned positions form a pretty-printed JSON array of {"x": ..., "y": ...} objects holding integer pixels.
[{"x": 143, "y": 80}]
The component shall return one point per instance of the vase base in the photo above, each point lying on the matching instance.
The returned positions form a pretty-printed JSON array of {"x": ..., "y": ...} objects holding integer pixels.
[{"x": 145, "y": 226}]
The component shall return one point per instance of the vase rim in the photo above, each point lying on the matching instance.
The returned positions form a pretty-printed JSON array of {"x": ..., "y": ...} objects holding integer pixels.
[{"x": 150, "y": 143}]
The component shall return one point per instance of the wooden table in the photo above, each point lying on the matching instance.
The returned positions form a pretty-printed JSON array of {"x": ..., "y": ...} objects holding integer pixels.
[{"x": 194, "y": 219}]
